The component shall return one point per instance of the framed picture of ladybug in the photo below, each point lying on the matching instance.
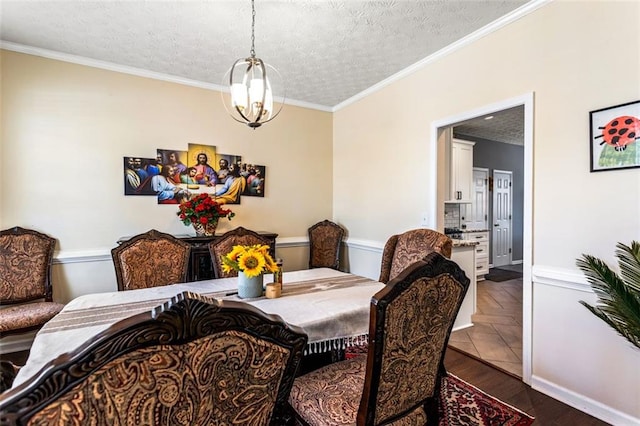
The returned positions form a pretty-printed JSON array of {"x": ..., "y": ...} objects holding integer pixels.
[{"x": 615, "y": 137}]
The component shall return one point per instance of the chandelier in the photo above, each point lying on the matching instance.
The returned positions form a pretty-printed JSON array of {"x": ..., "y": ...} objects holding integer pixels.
[{"x": 250, "y": 99}]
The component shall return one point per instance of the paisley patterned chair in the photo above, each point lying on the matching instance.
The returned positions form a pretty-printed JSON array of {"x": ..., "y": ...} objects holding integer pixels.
[
  {"x": 398, "y": 381},
  {"x": 25, "y": 280},
  {"x": 223, "y": 245},
  {"x": 325, "y": 239},
  {"x": 191, "y": 361},
  {"x": 151, "y": 259},
  {"x": 402, "y": 250}
]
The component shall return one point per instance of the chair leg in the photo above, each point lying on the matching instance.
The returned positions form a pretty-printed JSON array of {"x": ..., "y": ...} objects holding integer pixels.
[
  {"x": 432, "y": 410},
  {"x": 337, "y": 355},
  {"x": 432, "y": 406}
]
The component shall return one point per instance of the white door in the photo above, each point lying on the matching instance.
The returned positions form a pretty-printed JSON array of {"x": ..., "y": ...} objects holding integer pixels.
[
  {"x": 501, "y": 247},
  {"x": 479, "y": 201}
]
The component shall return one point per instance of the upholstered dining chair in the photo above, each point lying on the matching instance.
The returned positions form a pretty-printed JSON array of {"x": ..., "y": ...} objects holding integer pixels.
[
  {"x": 403, "y": 249},
  {"x": 25, "y": 280},
  {"x": 398, "y": 380},
  {"x": 325, "y": 239},
  {"x": 191, "y": 361},
  {"x": 223, "y": 245},
  {"x": 151, "y": 259}
]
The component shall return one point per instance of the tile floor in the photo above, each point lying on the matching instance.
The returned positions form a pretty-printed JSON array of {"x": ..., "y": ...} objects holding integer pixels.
[{"x": 496, "y": 336}]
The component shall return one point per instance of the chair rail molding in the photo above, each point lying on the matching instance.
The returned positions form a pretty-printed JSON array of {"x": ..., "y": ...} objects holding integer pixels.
[
  {"x": 367, "y": 245},
  {"x": 104, "y": 254},
  {"x": 560, "y": 277},
  {"x": 80, "y": 256}
]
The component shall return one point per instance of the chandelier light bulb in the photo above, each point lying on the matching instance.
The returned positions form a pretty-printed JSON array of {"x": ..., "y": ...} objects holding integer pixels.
[{"x": 251, "y": 98}]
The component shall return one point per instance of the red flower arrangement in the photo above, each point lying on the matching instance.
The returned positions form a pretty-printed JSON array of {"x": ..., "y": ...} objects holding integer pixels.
[{"x": 202, "y": 210}]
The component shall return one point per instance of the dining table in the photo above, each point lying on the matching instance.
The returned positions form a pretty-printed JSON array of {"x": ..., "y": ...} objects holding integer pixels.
[{"x": 331, "y": 306}]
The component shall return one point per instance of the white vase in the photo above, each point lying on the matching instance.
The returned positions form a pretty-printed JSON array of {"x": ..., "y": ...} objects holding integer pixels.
[{"x": 249, "y": 287}]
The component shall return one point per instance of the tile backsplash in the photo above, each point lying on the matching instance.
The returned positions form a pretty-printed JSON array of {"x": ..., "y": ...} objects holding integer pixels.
[{"x": 452, "y": 215}]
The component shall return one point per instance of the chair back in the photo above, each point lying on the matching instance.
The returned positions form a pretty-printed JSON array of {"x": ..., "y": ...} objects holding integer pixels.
[
  {"x": 25, "y": 265},
  {"x": 410, "y": 323},
  {"x": 191, "y": 361},
  {"x": 402, "y": 250},
  {"x": 325, "y": 239},
  {"x": 223, "y": 245},
  {"x": 151, "y": 259}
]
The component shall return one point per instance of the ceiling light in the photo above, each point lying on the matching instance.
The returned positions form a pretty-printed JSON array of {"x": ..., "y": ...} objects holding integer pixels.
[
  {"x": 488, "y": 117},
  {"x": 251, "y": 96}
]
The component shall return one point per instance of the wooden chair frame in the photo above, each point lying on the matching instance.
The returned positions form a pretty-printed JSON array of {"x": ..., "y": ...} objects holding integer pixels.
[
  {"x": 246, "y": 237},
  {"x": 184, "y": 318},
  {"x": 151, "y": 235},
  {"x": 429, "y": 292},
  {"x": 443, "y": 245},
  {"x": 30, "y": 307},
  {"x": 433, "y": 265},
  {"x": 313, "y": 231},
  {"x": 50, "y": 242}
]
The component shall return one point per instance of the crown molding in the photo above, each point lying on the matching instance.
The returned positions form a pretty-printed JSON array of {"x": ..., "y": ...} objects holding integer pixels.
[
  {"x": 463, "y": 42},
  {"x": 139, "y": 72}
]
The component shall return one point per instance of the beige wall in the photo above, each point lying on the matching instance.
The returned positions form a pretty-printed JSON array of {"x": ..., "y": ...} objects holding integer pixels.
[
  {"x": 71, "y": 125},
  {"x": 575, "y": 57},
  {"x": 67, "y": 127}
]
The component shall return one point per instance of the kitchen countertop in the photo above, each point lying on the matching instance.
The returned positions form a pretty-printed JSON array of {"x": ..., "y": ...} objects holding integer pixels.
[
  {"x": 473, "y": 230},
  {"x": 463, "y": 243}
]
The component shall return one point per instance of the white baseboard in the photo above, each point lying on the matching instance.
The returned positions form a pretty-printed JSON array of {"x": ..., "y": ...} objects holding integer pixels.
[
  {"x": 462, "y": 327},
  {"x": 583, "y": 403}
]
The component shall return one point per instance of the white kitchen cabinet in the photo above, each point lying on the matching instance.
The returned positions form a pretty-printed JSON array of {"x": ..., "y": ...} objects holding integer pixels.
[
  {"x": 482, "y": 251},
  {"x": 461, "y": 171},
  {"x": 464, "y": 256}
]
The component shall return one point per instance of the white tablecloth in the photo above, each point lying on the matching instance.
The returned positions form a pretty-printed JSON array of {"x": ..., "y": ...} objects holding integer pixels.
[{"x": 331, "y": 306}]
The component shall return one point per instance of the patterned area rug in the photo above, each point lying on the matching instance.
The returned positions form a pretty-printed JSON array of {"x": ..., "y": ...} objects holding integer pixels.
[{"x": 464, "y": 404}]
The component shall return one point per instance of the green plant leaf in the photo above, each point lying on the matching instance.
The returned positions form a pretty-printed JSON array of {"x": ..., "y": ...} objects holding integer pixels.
[
  {"x": 630, "y": 263},
  {"x": 618, "y": 296}
]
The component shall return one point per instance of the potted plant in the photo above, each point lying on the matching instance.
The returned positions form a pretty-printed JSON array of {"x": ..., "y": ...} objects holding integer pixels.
[
  {"x": 618, "y": 295},
  {"x": 250, "y": 262},
  {"x": 203, "y": 212}
]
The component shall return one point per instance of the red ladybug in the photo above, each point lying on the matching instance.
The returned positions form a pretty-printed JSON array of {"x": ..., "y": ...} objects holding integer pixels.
[{"x": 620, "y": 132}]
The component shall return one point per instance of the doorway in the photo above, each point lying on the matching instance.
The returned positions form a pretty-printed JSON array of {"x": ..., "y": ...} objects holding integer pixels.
[
  {"x": 441, "y": 131},
  {"x": 502, "y": 246}
]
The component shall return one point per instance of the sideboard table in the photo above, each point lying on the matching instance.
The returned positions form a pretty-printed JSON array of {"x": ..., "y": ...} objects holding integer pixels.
[{"x": 200, "y": 267}]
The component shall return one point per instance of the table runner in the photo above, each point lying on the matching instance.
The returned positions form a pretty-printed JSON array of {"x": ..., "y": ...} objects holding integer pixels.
[
  {"x": 332, "y": 307},
  {"x": 85, "y": 317}
]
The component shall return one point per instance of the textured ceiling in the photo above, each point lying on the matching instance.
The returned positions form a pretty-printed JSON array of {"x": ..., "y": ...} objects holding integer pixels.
[
  {"x": 505, "y": 126},
  {"x": 326, "y": 50}
]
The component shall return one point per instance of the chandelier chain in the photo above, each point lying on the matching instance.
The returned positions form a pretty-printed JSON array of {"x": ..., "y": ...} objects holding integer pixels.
[{"x": 253, "y": 26}]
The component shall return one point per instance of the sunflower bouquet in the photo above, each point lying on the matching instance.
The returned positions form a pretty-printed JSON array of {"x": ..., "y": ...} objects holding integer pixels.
[{"x": 252, "y": 260}]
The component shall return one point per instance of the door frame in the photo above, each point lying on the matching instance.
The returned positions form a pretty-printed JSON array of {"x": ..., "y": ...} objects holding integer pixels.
[
  {"x": 493, "y": 215},
  {"x": 437, "y": 144}
]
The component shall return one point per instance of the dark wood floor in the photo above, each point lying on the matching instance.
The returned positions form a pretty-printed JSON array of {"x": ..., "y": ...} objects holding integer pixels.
[
  {"x": 546, "y": 410},
  {"x": 18, "y": 358}
]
